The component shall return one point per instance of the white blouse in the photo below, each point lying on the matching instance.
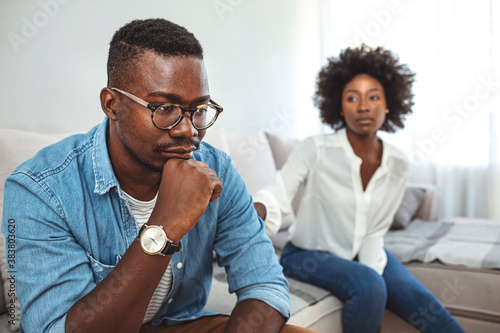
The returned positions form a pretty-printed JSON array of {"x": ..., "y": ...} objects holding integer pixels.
[{"x": 335, "y": 214}]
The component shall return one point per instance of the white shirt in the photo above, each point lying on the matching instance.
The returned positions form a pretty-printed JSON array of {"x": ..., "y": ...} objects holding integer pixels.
[
  {"x": 335, "y": 214},
  {"x": 142, "y": 211}
]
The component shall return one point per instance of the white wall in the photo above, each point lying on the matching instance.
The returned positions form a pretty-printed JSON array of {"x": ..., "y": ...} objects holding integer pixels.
[{"x": 262, "y": 59}]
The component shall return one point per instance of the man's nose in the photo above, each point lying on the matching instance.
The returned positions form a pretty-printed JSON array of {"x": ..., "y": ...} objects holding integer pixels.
[{"x": 184, "y": 128}]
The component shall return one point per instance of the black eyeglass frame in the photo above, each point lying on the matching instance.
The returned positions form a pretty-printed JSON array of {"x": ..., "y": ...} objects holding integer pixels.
[{"x": 154, "y": 106}]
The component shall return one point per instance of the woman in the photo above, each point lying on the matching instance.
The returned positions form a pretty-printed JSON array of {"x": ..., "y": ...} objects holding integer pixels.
[{"x": 353, "y": 185}]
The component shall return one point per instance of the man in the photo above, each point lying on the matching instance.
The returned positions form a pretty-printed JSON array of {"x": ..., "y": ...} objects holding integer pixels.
[{"x": 117, "y": 226}]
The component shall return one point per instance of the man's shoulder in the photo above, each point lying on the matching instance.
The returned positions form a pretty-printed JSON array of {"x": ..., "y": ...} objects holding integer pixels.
[
  {"x": 211, "y": 154},
  {"x": 56, "y": 155}
]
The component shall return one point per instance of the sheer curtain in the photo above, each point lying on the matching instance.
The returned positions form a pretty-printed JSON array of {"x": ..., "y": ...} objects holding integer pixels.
[
  {"x": 453, "y": 46},
  {"x": 494, "y": 153}
]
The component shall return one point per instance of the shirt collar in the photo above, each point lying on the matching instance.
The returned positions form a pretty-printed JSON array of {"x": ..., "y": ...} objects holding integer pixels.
[
  {"x": 353, "y": 157},
  {"x": 344, "y": 141},
  {"x": 103, "y": 170}
]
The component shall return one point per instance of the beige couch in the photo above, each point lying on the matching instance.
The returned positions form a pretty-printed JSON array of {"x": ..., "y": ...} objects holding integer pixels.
[{"x": 471, "y": 294}]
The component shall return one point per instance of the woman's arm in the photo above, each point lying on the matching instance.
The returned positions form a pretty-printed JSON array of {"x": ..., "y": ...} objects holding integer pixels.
[{"x": 274, "y": 200}]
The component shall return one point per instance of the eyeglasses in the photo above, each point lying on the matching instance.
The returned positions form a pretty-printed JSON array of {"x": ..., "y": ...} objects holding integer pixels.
[{"x": 166, "y": 116}]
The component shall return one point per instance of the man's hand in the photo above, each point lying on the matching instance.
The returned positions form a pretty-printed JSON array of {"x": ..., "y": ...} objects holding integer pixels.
[{"x": 186, "y": 188}]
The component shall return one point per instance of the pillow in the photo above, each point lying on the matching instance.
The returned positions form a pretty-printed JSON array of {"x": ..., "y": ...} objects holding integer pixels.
[
  {"x": 281, "y": 148},
  {"x": 253, "y": 158},
  {"x": 412, "y": 199}
]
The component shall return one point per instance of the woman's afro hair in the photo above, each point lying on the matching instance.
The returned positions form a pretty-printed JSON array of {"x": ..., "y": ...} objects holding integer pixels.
[{"x": 379, "y": 63}]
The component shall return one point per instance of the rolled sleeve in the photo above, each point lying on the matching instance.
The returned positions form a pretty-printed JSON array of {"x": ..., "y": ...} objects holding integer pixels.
[
  {"x": 246, "y": 252},
  {"x": 277, "y": 297}
]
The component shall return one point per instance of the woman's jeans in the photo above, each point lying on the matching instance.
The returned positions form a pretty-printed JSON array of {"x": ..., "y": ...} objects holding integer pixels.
[{"x": 366, "y": 294}]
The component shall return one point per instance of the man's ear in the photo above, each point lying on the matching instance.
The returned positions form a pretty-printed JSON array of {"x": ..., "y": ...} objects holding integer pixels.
[{"x": 108, "y": 102}]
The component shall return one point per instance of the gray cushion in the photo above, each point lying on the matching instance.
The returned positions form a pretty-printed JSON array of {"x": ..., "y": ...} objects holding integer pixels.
[
  {"x": 412, "y": 199},
  {"x": 253, "y": 158},
  {"x": 281, "y": 148},
  {"x": 302, "y": 294}
]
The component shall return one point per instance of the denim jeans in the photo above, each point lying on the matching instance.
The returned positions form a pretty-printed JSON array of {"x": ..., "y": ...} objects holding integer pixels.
[{"x": 366, "y": 294}]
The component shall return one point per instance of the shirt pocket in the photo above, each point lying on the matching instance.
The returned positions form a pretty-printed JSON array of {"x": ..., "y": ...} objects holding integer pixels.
[{"x": 99, "y": 269}]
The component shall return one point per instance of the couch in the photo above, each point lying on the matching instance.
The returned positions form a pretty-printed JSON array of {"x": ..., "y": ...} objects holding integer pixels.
[{"x": 470, "y": 291}]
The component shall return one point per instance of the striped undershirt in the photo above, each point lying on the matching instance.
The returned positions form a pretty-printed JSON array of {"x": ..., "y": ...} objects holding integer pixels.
[{"x": 141, "y": 211}]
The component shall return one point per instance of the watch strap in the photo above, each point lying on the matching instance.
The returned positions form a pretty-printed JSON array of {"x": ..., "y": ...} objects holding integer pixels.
[
  {"x": 141, "y": 230},
  {"x": 171, "y": 248}
]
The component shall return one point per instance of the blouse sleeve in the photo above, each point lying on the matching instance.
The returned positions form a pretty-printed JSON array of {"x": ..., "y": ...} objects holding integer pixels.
[{"x": 278, "y": 195}]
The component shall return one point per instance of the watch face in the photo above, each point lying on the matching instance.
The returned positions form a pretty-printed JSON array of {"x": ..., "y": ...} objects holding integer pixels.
[{"x": 153, "y": 239}]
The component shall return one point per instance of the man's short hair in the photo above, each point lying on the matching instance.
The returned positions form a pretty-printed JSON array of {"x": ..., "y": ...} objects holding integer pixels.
[{"x": 135, "y": 38}]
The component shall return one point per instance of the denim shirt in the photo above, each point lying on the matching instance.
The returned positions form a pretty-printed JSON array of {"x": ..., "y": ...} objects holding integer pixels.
[{"x": 73, "y": 225}]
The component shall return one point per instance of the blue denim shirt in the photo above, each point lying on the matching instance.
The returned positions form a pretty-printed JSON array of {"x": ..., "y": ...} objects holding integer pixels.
[{"x": 73, "y": 225}]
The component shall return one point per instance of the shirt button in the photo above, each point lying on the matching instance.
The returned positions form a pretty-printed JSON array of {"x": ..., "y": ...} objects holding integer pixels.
[
  {"x": 170, "y": 300},
  {"x": 179, "y": 265}
]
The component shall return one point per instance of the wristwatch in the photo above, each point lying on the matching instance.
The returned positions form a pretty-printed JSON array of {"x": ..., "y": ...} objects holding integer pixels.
[{"x": 154, "y": 240}]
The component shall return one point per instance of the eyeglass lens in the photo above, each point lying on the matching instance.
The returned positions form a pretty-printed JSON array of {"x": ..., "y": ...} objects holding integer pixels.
[{"x": 167, "y": 115}]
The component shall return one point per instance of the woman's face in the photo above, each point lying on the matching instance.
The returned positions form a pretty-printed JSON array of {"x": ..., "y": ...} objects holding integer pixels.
[{"x": 363, "y": 105}]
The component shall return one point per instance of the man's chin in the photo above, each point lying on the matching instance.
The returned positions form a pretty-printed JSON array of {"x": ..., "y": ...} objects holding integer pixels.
[{"x": 156, "y": 167}]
